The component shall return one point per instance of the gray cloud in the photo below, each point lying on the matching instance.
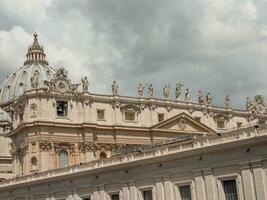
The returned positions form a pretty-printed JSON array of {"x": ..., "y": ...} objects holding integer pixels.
[{"x": 209, "y": 45}]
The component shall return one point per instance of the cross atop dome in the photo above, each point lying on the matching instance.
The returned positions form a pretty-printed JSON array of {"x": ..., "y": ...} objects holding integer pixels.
[{"x": 35, "y": 52}]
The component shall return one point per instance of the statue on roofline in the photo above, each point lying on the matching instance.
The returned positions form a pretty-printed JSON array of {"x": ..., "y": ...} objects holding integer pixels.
[
  {"x": 85, "y": 84},
  {"x": 178, "y": 90},
  {"x": 140, "y": 89},
  {"x": 115, "y": 88}
]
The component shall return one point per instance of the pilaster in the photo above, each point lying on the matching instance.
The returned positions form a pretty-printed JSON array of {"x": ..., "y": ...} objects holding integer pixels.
[
  {"x": 168, "y": 188},
  {"x": 259, "y": 180},
  {"x": 210, "y": 184},
  {"x": 247, "y": 180},
  {"x": 159, "y": 189},
  {"x": 125, "y": 192},
  {"x": 200, "y": 185}
]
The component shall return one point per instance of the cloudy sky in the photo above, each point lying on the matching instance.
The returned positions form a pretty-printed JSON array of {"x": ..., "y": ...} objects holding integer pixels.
[{"x": 210, "y": 45}]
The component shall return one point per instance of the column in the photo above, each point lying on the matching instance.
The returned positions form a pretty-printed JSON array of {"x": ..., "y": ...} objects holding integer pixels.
[
  {"x": 200, "y": 185},
  {"x": 168, "y": 188},
  {"x": 125, "y": 192},
  {"x": 159, "y": 189},
  {"x": 247, "y": 181},
  {"x": 259, "y": 180},
  {"x": 210, "y": 184}
]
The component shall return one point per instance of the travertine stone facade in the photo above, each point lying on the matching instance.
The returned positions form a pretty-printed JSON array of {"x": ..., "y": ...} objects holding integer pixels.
[
  {"x": 57, "y": 123},
  {"x": 203, "y": 164},
  {"x": 66, "y": 142}
]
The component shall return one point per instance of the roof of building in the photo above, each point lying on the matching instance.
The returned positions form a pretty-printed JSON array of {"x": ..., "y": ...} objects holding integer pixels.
[{"x": 21, "y": 80}]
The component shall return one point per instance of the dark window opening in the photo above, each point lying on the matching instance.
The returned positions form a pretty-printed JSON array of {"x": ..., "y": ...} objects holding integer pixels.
[
  {"x": 147, "y": 195},
  {"x": 62, "y": 108},
  {"x": 185, "y": 192},
  {"x": 230, "y": 190},
  {"x": 160, "y": 117},
  {"x": 115, "y": 197}
]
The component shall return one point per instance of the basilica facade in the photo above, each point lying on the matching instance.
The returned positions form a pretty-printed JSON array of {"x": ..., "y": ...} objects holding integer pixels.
[{"x": 73, "y": 143}]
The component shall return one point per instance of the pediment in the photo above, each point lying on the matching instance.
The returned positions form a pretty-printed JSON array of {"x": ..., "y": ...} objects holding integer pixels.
[{"x": 182, "y": 123}]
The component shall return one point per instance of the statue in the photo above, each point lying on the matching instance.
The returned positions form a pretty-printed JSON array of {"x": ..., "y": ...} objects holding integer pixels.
[
  {"x": 200, "y": 97},
  {"x": 85, "y": 83},
  {"x": 187, "y": 97},
  {"x": 249, "y": 104},
  {"x": 61, "y": 73},
  {"x": 166, "y": 91},
  {"x": 74, "y": 89},
  {"x": 115, "y": 88},
  {"x": 35, "y": 79},
  {"x": 227, "y": 101},
  {"x": 140, "y": 89},
  {"x": 178, "y": 90},
  {"x": 150, "y": 90},
  {"x": 208, "y": 98}
]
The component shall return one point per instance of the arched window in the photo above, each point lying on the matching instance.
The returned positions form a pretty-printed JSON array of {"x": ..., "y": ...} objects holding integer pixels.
[
  {"x": 34, "y": 163},
  {"x": 102, "y": 155},
  {"x": 63, "y": 158}
]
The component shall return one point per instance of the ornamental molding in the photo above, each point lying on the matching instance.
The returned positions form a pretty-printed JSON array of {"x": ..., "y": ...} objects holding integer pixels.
[
  {"x": 130, "y": 107},
  {"x": 61, "y": 84},
  {"x": 86, "y": 147},
  {"x": 45, "y": 146}
]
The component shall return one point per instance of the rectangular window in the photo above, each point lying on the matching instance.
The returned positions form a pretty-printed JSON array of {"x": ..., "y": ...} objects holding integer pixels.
[
  {"x": 100, "y": 114},
  {"x": 160, "y": 117},
  {"x": 220, "y": 124},
  {"x": 129, "y": 116},
  {"x": 115, "y": 197},
  {"x": 62, "y": 108},
  {"x": 185, "y": 192},
  {"x": 230, "y": 191},
  {"x": 147, "y": 195}
]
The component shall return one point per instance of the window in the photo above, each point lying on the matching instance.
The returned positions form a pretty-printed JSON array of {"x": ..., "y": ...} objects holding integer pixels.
[
  {"x": 115, "y": 197},
  {"x": 102, "y": 155},
  {"x": 147, "y": 195},
  {"x": 220, "y": 124},
  {"x": 185, "y": 192},
  {"x": 229, "y": 188},
  {"x": 63, "y": 158},
  {"x": 100, "y": 114},
  {"x": 34, "y": 163},
  {"x": 160, "y": 117},
  {"x": 129, "y": 116},
  {"x": 62, "y": 108}
]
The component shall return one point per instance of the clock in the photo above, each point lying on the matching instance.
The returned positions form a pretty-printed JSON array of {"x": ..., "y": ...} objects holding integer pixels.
[{"x": 62, "y": 86}]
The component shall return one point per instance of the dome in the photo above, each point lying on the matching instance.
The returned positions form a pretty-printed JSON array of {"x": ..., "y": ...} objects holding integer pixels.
[
  {"x": 4, "y": 116},
  {"x": 30, "y": 76}
]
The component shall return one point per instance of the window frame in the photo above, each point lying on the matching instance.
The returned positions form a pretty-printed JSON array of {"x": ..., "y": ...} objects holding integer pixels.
[
  {"x": 66, "y": 114},
  {"x": 220, "y": 183},
  {"x": 132, "y": 113},
  {"x": 114, "y": 193},
  {"x": 163, "y": 116},
  {"x": 177, "y": 186},
  {"x": 148, "y": 188},
  {"x": 59, "y": 164},
  {"x": 97, "y": 114}
]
